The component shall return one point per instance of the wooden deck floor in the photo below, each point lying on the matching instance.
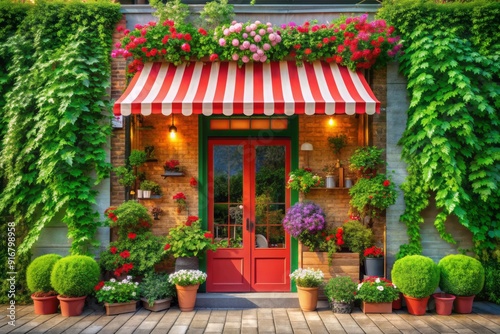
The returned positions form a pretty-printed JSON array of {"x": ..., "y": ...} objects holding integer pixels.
[{"x": 484, "y": 319}]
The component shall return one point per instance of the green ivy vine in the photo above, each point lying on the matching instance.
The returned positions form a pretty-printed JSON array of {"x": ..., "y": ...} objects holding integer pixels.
[
  {"x": 56, "y": 116},
  {"x": 452, "y": 138}
]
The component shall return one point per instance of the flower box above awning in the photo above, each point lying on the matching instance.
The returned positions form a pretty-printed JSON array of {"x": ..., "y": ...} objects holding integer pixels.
[{"x": 223, "y": 88}]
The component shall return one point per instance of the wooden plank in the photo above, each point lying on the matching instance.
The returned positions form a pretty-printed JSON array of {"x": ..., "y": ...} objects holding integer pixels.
[{"x": 343, "y": 264}]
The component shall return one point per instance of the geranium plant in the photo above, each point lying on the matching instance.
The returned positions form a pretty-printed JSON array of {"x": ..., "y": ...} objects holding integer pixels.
[
  {"x": 377, "y": 290},
  {"x": 302, "y": 180},
  {"x": 307, "y": 278},
  {"x": 373, "y": 252},
  {"x": 180, "y": 200},
  {"x": 172, "y": 165},
  {"x": 115, "y": 291},
  {"x": 187, "y": 277},
  {"x": 305, "y": 221},
  {"x": 189, "y": 239}
]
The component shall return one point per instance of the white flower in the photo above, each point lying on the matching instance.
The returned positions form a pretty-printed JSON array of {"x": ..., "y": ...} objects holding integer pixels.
[
  {"x": 360, "y": 285},
  {"x": 380, "y": 287},
  {"x": 112, "y": 280},
  {"x": 377, "y": 280},
  {"x": 394, "y": 286},
  {"x": 129, "y": 278}
]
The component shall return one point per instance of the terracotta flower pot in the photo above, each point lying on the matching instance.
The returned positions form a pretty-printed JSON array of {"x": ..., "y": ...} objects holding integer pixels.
[
  {"x": 444, "y": 303},
  {"x": 416, "y": 306},
  {"x": 376, "y": 307},
  {"x": 71, "y": 306},
  {"x": 308, "y": 298},
  {"x": 45, "y": 305},
  {"x": 398, "y": 303},
  {"x": 463, "y": 304},
  {"x": 119, "y": 308},
  {"x": 186, "y": 296}
]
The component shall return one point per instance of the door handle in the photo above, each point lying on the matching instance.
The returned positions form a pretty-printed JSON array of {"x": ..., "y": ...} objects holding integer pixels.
[{"x": 249, "y": 225}]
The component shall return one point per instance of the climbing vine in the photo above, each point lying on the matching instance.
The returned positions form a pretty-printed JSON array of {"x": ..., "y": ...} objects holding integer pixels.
[
  {"x": 452, "y": 138},
  {"x": 56, "y": 117}
]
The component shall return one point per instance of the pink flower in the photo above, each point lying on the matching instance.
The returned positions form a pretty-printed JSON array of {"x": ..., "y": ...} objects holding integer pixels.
[
  {"x": 222, "y": 42},
  {"x": 235, "y": 42}
]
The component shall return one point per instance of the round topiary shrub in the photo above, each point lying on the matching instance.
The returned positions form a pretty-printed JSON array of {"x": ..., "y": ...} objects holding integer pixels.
[
  {"x": 416, "y": 276},
  {"x": 38, "y": 273},
  {"x": 461, "y": 275},
  {"x": 75, "y": 275}
]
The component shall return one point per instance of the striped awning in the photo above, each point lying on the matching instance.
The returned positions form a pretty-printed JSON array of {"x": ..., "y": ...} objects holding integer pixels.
[{"x": 276, "y": 88}]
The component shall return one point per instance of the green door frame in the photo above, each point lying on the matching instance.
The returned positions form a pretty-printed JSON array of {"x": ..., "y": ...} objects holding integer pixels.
[{"x": 204, "y": 132}]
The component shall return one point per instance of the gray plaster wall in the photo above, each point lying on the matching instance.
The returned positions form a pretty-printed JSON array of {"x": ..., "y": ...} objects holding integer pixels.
[{"x": 432, "y": 244}]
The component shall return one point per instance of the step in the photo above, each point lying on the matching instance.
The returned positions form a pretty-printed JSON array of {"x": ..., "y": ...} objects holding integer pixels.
[{"x": 250, "y": 300}]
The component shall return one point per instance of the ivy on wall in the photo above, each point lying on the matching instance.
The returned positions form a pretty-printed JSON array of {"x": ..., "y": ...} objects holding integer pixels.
[
  {"x": 56, "y": 116},
  {"x": 452, "y": 138}
]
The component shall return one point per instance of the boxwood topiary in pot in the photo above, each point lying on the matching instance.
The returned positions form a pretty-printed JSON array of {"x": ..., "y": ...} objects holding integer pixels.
[
  {"x": 74, "y": 277},
  {"x": 417, "y": 277},
  {"x": 462, "y": 276},
  {"x": 38, "y": 279}
]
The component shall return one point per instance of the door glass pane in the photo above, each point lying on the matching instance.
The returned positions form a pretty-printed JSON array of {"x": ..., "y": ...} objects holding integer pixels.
[
  {"x": 228, "y": 195},
  {"x": 269, "y": 196}
]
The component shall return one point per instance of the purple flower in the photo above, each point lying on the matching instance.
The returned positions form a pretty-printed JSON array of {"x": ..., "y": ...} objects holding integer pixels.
[{"x": 304, "y": 216}]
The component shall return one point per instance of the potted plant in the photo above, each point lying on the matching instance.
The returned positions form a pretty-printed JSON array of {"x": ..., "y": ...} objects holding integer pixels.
[
  {"x": 330, "y": 175},
  {"x": 172, "y": 168},
  {"x": 137, "y": 158},
  {"x": 341, "y": 292},
  {"x": 337, "y": 143},
  {"x": 369, "y": 197},
  {"x": 156, "y": 292},
  {"x": 187, "y": 283},
  {"x": 308, "y": 282},
  {"x": 130, "y": 216},
  {"x": 188, "y": 242},
  {"x": 302, "y": 180},
  {"x": 377, "y": 295},
  {"x": 74, "y": 277},
  {"x": 357, "y": 237},
  {"x": 305, "y": 221},
  {"x": 417, "y": 277},
  {"x": 374, "y": 261},
  {"x": 156, "y": 211},
  {"x": 180, "y": 201},
  {"x": 147, "y": 187},
  {"x": 366, "y": 160},
  {"x": 38, "y": 278},
  {"x": 118, "y": 296},
  {"x": 462, "y": 276}
]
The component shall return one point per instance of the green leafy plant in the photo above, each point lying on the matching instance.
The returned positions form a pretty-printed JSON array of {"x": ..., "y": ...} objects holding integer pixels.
[
  {"x": 337, "y": 143},
  {"x": 302, "y": 180},
  {"x": 126, "y": 176},
  {"x": 114, "y": 291},
  {"x": 216, "y": 13},
  {"x": 461, "y": 275},
  {"x": 357, "y": 237},
  {"x": 366, "y": 160},
  {"x": 149, "y": 185},
  {"x": 75, "y": 276},
  {"x": 173, "y": 10},
  {"x": 416, "y": 276},
  {"x": 187, "y": 277},
  {"x": 130, "y": 216},
  {"x": 377, "y": 290},
  {"x": 38, "y": 275},
  {"x": 341, "y": 289},
  {"x": 188, "y": 240},
  {"x": 307, "y": 278},
  {"x": 370, "y": 197},
  {"x": 452, "y": 117},
  {"x": 137, "y": 158},
  {"x": 155, "y": 287}
]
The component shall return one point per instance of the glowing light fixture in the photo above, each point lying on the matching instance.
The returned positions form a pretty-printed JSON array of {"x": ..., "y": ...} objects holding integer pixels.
[
  {"x": 331, "y": 121},
  {"x": 172, "y": 129}
]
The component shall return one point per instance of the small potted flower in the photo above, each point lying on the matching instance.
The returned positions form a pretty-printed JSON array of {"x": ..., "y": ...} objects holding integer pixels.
[
  {"x": 180, "y": 200},
  {"x": 366, "y": 160},
  {"x": 118, "y": 296},
  {"x": 156, "y": 211},
  {"x": 172, "y": 168},
  {"x": 341, "y": 293},
  {"x": 308, "y": 282},
  {"x": 377, "y": 295},
  {"x": 156, "y": 292},
  {"x": 302, "y": 180},
  {"x": 147, "y": 187},
  {"x": 374, "y": 261},
  {"x": 187, "y": 283}
]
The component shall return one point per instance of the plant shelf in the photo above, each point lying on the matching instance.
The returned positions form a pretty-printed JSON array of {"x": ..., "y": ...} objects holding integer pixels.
[{"x": 171, "y": 174}]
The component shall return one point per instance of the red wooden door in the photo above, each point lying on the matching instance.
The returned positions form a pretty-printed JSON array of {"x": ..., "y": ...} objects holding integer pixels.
[{"x": 247, "y": 201}]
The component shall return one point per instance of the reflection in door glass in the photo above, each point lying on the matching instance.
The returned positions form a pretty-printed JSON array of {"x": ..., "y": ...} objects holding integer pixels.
[
  {"x": 228, "y": 195},
  {"x": 270, "y": 196}
]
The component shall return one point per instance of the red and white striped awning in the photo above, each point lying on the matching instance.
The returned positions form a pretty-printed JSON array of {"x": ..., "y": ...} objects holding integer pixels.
[{"x": 276, "y": 88}]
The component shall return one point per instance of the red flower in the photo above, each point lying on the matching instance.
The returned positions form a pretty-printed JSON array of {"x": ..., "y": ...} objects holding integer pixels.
[
  {"x": 387, "y": 183},
  {"x": 296, "y": 46},
  {"x": 193, "y": 182},
  {"x": 167, "y": 247},
  {"x": 191, "y": 220},
  {"x": 186, "y": 47},
  {"x": 99, "y": 286},
  {"x": 208, "y": 235},
  {"x": 118, "y": 271},
  {"x": 179, "y": 196},
  {"x": 127, "y": 267},
  {"x": 307, "y": 51},
  {"x": 112, "y": 249},
  {"x": 187, "y": 37},
  {"x": 339, "y": 235},
  {"x": 373, "y": 251},
  {"x": 125, "y": 254},
  {"x": 213, "y": 57},
  {"x": 202, "y": 31},
  {"x": 132, "y": 235}
]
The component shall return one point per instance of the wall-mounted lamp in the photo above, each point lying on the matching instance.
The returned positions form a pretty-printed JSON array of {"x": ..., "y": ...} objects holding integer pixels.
[
  {"x": 306, "y": 147},
  {"x": 331, "y": 122},
  {"x": 172, "y": 129}
]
